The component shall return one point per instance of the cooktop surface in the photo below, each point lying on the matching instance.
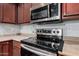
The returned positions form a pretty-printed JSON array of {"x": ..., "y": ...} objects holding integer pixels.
[{"x": 32, "y": 42}]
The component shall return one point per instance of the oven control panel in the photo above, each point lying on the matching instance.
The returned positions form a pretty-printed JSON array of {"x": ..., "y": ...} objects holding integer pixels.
[{"x": 54, "y": 31}]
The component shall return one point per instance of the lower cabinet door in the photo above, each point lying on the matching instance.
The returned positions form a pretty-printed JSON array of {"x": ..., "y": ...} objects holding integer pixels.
[
  {"x": 5, "y": 48},
  {"x": 16, "y": 51},
  {"x": 0, "y": 49},
  {"x": 8, "y": 49}
]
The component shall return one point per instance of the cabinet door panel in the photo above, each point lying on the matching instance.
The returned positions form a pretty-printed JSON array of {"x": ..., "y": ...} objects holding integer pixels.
[
  {"x": 70, "y": 11},
  {"x": 5, "y": 48},
  {"x": 24, "y": 13},
  {"x": 71, "y": 8},
  {"x": 16, "y": 51},
  {"x": 27, "y": 12},
  {"x": 36, "y": 5},
  {"x": 16, "y": 48},
  {"x": 10, "y": 48},
  {"x": 1, "y": 12},
  {"x": 20, "y": 13},
  {"x": 9, "y": 13},
  {"x": 0, "y": 49}
]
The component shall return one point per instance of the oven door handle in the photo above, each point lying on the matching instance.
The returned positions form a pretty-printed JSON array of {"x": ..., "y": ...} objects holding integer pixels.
[{"x": 34, "y": 51}]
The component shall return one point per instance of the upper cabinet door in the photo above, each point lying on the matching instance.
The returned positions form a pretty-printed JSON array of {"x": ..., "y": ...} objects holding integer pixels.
[
  {"x": 70, "y": 10},
  {"x": 9, "y": 13},
  {"x": 24, "y": 13},
  {"x": 1, "y": 12},
  {"x": 20, "y": 13},
  {"x": 27, "y": 13}
]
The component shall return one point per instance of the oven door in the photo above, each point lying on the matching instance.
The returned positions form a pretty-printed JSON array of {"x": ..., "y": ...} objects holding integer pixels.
[{"x": 27, "y": 50}]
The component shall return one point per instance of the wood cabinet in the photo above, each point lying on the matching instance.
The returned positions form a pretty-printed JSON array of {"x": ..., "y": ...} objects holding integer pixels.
[
  {"x": 1, "y": 12},
  {"x": 16, "y": 48},
  {"x": 9, "y": 13},
  {"x": 70, "y": 11},
  {"x": 5, "y": 48},
  {"x": 36, "y": 5},
  {"x": 0, "y": 49},
  {"x": 20, "y": 13},
  {"x": 24, "y": 13},
  {"x": 9, "y": 48},
  {"x": 27, "y": 13},
  {"x": 15, "y": 13}
]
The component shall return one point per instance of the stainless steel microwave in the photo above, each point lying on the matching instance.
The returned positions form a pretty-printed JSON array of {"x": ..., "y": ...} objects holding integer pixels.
[{"x": 51, "y": 12}]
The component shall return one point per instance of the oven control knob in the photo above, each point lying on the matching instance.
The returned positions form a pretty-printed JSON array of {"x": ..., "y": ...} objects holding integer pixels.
[
  {"x": 53, "y": 31},
  {"x": 57, "y": 31},
  {"x": 56, "y": 46},
  {"x": 39, "y": 31},
  {"x": 52, "y": 44}
]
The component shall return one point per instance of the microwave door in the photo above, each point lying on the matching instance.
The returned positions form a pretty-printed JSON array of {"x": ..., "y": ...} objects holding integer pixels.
[
  {"x": 39, "y": 14},
  {"x": 34, "y": 16}
]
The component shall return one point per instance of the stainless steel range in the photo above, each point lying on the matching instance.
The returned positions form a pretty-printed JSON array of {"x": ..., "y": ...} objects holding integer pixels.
[
  {"x": 52, "y": 38},
  {"x": 49, "y": 39}
]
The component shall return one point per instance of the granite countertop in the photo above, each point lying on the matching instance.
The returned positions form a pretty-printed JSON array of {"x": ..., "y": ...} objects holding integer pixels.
[
  {"x": 71, "y": 44},
  {"x": 14, "y": 37}
]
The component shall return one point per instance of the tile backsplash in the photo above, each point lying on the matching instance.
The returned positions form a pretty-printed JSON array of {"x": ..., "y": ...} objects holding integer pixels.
[
  {"x": 7, "y": 29},
  {"x": 70, "y": 28},
  {"x": 28, "y": 28}
]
